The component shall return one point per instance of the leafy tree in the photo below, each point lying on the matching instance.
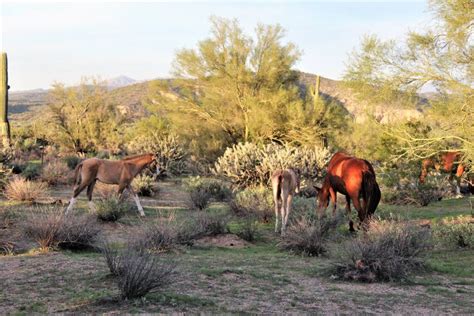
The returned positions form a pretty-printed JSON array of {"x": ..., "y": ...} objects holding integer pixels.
[
  {"x": 235, "y": 88},
  {"x": 441, "y": 57},
  {"x": 82, "y": 119}
]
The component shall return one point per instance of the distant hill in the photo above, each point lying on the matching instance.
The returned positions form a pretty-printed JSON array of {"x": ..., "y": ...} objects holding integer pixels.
[
  {"x": 120, "y": 81},
  {"x": 129, "y": 95}
]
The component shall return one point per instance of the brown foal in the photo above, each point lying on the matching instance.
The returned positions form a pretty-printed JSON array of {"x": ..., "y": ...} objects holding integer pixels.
[
  {"x": 121, "y": 172},
  {"x": 285, "y": 184}
]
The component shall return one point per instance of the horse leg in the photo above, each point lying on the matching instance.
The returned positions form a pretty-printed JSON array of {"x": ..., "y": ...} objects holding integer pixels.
[
  {"x": 137, "y": 201},
  {"x": 288, "y": 208},
  {"x": 360, "y": 210},
  {"x": 77, "y": 190},
  {"x": 348, "y": 212},
  {"x": 333, "y": 200},
  {"x": 276, "y": 200},
  {"x": 284, "y": 210},
  {"x": 90, "y": 189}
]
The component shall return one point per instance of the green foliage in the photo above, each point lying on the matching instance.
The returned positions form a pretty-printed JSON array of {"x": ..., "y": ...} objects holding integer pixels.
[
  {"x": 82, "y": 119},
  {"x": 249, "y": 164},
  {"x": 454, "y": 233},
  {"x": 233, "y": 89},
  {"x": 442, "y": 56},
  {"x": 5, "y": 170}
]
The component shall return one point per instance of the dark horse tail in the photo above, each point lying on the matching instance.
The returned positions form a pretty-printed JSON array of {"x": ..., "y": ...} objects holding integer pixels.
[
  {"x": 280, "y": 178},
  {"x": 77, "y": 174},
  {"x": 371, "y": 191}
]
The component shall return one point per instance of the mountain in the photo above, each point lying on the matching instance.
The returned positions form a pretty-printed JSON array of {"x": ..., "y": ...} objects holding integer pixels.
[
  {"x": 128, "y": 95},
  {"x": 120, "y": 81}
]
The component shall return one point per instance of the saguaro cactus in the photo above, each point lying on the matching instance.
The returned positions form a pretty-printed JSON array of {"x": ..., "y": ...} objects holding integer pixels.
[
  {"x": 4, "y": 124},
  {"x": 315, "y": 93}
]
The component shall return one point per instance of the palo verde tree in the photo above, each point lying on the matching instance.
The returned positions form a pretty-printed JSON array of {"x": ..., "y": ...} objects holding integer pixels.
[
  {"x": 232, "y": 88},
  {"x": 442, "y": 57},
  {"x": 81, "y": 118}
]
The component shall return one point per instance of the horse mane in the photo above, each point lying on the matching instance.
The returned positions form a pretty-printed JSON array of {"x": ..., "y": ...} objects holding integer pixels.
[{"x": 135, "y": 157}]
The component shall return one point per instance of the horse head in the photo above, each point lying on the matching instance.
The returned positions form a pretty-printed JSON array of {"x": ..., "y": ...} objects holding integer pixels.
[{"x": 322, "y": 199}]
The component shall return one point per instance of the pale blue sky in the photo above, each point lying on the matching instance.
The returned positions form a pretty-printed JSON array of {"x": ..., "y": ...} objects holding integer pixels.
[{"x": 50, "y": 42}]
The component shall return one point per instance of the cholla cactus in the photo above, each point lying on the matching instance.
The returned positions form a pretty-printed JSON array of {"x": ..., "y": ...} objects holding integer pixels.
[
  {"x": 248, "y": 164},
  {"x": 5, "y": 170}
]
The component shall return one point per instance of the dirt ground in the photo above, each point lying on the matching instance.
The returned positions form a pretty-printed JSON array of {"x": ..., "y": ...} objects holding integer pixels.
[{"x": 223, "y": 275}]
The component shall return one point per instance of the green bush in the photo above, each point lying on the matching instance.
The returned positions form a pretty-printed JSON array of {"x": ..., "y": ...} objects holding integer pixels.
[
  {"x": 454, "y": 233},
  {"x": 249, "y": 164},
  {"x": 72, "y": 161},
  {"x": 111, "y": 209},
  {"x": 388, "y": 251},
  {"x": 31, "y": 171},
  {"x": 217, "y": 189}
]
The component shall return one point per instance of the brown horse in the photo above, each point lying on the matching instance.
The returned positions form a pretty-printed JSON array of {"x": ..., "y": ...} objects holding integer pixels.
[
  {"x": 120, "y": 172},
  {"x": 285, "y": 184},
  {"x": 355, "y": 178},
  {"x": 447, "y": 162}
]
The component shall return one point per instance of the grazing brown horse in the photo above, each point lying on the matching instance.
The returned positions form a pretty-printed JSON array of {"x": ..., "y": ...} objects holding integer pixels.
[
  {"x": 447, "y": 162},
  {"x": 119, "y": 172},
  {"x": 355, "y": 178},
  {"x": 285, "y": 184}
]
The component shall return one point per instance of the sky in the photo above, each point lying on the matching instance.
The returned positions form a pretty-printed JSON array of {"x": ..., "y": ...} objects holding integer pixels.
[{"x": 49, "y": 42}]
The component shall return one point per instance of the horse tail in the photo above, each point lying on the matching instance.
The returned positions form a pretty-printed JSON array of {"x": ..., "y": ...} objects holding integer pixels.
[
  {"x": 77, "y": 174},
  {"x": 372, "y": 193}
]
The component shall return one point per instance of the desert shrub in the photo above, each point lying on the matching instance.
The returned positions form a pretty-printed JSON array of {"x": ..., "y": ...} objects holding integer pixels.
[
  {"x": 201, "y": 191},
  {"x": 56, "y": 172},
  {"x": 208, "y": 224},
  {"x": 249, "y": 164},
  {"x": 302, "y": 206},
  {"x": 138, "y": 271},
  {"x": 389, "y": 251},
  {"x": 44, "y": 227},
  {"x": 52, "y": 229},
  {"x": 158, "y": 237},
  {"x": 20, "y": 189},
  {"x": 111, "y": 209},
  {"x": 217, "y": 189},
  {"x": 308, "y": 236},
  {"x": 143, "y": 185},
  {"x": 248, "y": 228},
  {"x": 78, "y": 232},
  {"x": 199, "y": 198},
  {"x": 31, "y": 171},
  {"x": 72, "y": 161},
  {"x": 454, "y": 233},
  {"x": 7, "y": 247},
  {"x": 254, "y": 200}
]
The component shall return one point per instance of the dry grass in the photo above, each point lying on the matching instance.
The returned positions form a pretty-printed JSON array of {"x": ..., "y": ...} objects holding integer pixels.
[
  {"x": 19, "y": 189},
  {"x": 51, "y": 229}
]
